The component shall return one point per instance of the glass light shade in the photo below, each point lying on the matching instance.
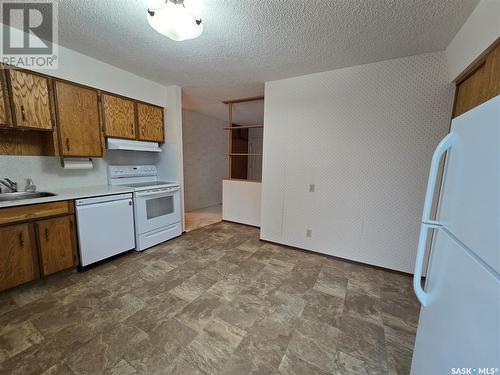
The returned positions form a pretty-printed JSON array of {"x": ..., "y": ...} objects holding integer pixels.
[{"x": 176, "y": 21}]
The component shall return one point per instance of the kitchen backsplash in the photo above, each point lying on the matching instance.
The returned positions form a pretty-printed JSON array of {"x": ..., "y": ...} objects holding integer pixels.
[{"x": 47, "y": 172}]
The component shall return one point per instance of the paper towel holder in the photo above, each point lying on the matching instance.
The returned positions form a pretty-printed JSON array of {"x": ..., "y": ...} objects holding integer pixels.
[{"x": 77, "y": 163}]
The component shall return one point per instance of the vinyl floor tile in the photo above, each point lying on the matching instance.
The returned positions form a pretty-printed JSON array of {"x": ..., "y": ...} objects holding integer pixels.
[{"x": 216, "y": 300}]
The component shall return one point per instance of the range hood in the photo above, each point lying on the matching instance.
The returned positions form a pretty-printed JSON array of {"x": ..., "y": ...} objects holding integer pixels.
[{"x": 124, "y": 144}]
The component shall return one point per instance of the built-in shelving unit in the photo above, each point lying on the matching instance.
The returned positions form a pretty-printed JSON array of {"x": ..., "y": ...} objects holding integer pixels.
[{"x": 243, "y": 160}]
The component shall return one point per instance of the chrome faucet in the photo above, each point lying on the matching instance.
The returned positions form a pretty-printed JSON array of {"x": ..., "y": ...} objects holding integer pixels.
[{"x": 11, "y": 185}]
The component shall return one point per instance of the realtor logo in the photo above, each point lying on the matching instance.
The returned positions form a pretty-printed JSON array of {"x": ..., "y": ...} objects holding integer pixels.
[{"x": 29, "y": 34}]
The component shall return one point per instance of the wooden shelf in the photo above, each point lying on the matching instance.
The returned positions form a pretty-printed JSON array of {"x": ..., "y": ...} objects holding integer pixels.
[
  {"x": 245, "y": 127},
  {"x": 242, "y": 180},
  {"x": 251, "y": 99},
  {"x": 234, "y": 154}
]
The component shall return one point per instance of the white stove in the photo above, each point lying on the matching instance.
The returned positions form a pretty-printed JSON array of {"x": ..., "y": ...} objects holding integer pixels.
[{"x": 157, "y": 207}]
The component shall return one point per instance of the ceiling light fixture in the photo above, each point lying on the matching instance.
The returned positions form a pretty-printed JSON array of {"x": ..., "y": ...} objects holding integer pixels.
[{"x": 177, "y": 19}]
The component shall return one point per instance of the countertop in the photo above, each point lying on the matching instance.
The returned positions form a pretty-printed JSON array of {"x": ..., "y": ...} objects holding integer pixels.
[{"x": 71, "y": 194}]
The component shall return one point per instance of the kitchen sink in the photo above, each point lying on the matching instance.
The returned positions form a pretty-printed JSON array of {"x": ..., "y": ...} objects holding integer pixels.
[{"x": 23, "y": 195}]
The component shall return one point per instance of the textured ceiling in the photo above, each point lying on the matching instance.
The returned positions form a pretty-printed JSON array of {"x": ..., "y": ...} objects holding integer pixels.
[{"x": 247, "y": 42}]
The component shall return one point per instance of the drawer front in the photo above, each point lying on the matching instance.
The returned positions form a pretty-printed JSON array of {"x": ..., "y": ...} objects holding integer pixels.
[
  {"x": 155, "y": 237},
  {"x": 17, "y": 214}
]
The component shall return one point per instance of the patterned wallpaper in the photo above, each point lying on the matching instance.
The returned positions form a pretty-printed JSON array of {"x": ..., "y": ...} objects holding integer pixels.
[
  {"x": 364, "y": 136},
  {"x": 205, "y": 165}
]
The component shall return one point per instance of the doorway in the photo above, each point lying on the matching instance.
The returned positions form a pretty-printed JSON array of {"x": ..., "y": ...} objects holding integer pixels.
[{"x": 204, "y": 147}]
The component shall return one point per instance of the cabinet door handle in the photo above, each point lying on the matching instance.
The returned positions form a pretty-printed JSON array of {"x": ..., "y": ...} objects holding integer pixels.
[
  {"x": 67, "y": 144},
  {"x": 47, "y": 234},
  {"x": 23, "y": 114},
  {"x": 21, "y": 239}
]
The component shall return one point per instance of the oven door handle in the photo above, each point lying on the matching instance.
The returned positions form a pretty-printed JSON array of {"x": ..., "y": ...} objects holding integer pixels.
[{"x": 159, "y": 193}]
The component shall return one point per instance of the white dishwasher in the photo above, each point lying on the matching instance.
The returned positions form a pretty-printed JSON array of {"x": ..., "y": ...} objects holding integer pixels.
[{"x": 105, "y": 227}]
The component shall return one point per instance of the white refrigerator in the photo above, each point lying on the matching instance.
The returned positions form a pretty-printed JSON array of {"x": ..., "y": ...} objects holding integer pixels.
[{"x": 459, "y": 326}]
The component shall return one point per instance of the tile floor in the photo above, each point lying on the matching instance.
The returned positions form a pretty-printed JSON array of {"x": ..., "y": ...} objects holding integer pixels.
[
  {"x": 203, "y": 217},
  {"x": 214, "y": 301}
]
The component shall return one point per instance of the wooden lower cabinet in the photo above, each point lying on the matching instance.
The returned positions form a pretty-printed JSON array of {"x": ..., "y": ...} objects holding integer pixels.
[
  {"x": 56, "y": 244},
  {"x": 36, "y": 241},
  {"x": 18, "y": 257}
]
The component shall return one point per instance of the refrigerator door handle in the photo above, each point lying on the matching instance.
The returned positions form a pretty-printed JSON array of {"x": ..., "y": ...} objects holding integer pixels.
[
  {"x": 427, "y": 222},
  {"x": 441, "y": 149},
  {"x": 422, "y": 296}
]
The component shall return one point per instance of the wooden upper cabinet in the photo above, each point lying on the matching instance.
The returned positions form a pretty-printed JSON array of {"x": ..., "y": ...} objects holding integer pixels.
[
  {"x": 126, "y": 118},
  {"x": 494, "y": 61},
  {"x": 119, "y": 117},
  {"x": 472, "y": 91},
  {"x": 56, "y": 244},
  {"x": 480, "y": 83},
  {"x": 78, "y": 118},
  {"x": 5, "y": 119},
  {"x": 18, "y": 260},
  {"x": 150, "y": 123},
  {"x": 30, "y": 100}
]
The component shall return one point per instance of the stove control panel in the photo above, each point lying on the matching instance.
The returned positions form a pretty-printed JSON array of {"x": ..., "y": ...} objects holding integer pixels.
[{"x": 119, "y": 171}]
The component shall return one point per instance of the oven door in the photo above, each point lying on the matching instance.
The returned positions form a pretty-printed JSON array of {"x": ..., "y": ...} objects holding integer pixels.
[{"x": 158, "y": 208}]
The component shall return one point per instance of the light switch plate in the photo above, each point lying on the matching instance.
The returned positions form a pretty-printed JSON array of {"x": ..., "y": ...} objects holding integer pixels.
[{"x": 312, "y": 188}]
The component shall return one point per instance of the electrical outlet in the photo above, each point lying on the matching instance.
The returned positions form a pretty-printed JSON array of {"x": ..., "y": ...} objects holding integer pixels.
[
  {"x": 312, "y": 188},
  {"x": 309, "y": 233}
]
